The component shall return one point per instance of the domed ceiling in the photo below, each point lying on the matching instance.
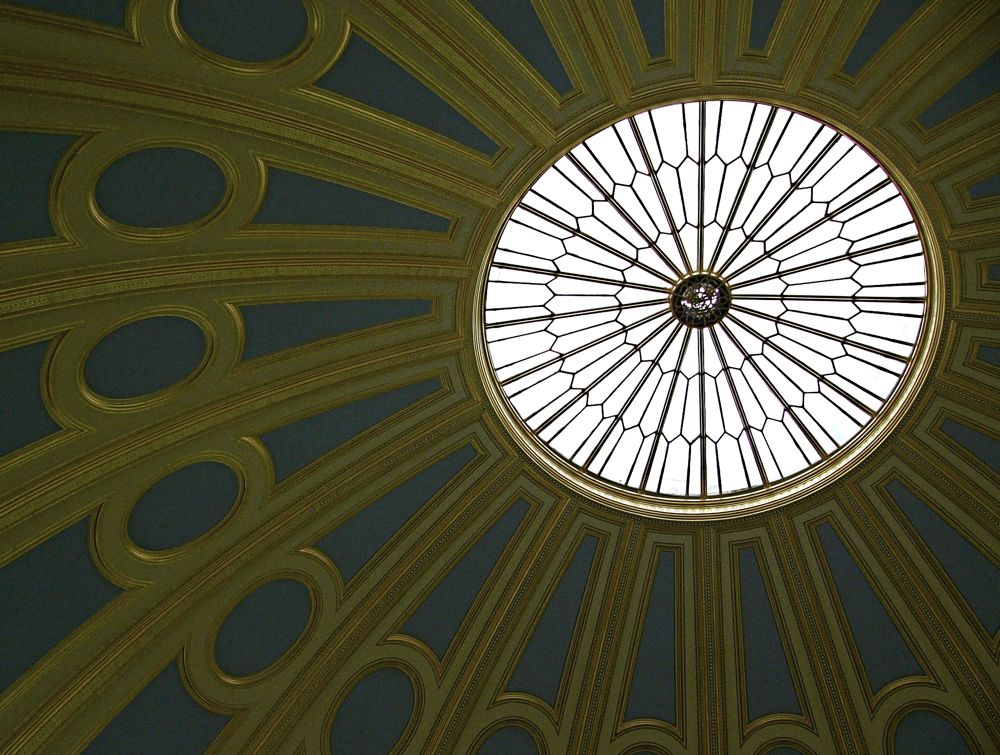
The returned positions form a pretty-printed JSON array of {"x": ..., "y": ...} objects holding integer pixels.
[{"x": 255, "y": 495}]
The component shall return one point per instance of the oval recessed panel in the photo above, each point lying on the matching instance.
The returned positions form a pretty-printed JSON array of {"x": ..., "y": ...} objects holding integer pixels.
[
  {"x": 250, "y": 31},
  {"x": 183, "y": 505},
  {"x": 144, "y": 356},
  {"x": 509, "y": 739},
  {"x": 160, "y": 187},
  {"x": 375, "y": 713},
  {"x": 923, "y": 732},
  {"x": 263, "y": 627}
]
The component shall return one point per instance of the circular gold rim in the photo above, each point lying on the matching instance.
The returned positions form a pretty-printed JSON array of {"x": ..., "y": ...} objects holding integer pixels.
[{"x": 757, "y": 500}]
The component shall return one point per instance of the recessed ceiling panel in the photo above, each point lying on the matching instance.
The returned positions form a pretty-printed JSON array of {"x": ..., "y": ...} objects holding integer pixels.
[
  {"x": 25, "y": 417},
  {"x": 30, "y": 163},
  {"x": 375, "y": 713},
  {"x": 47, "y": 593},
  {"x": 183, "y": 505},
  {"x": 162, "y": 719}
]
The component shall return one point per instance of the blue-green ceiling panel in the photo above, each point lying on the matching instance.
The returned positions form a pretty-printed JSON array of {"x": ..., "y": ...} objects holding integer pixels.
[
  {"x": 986, "y": 448},
  {"x": 160, "y": 187},
  {"x": 29, "y": 164},
  {"x": 510, "y": 740},
  {"x": 282, "y": 325},
  {"x": 366, "y": 74},
  {"x": 923, "y": 732},
  {"x": 186, "y": 503},
  {"x": 989, "y": 354},
  {"x": 439, "y": 617},
  {"x": 354, "y": 542},
  {"x": 884, "y": 21},
  {"x": 296, "y": 199},
  {"x": 108, "y": 12},
  {"x": 45, "y": 594},
  {"x": 762, "y": 19},
  {"x": 988, "y": 187},
  {"x": 652, "y": 22},
  {"x": 262, "y": 627},
  {"x": 518, "y": 21},
  {"x": 975, "y": 576},
  {"x": 884, "y": 653},
  {"x": 144, "y": 356},
  {"x": 300, "y": 443},
  {"x": 540, "y": 669},
  {"x": 23, "y": 416},
  {"x": 163, "y": 719},
  {"x": 769, "y": 684},
  {"x": 252, "y": 31},
  {"x": 654, "y": 679},
  {"x": 980, "y": 83},
  {"x": 374, "y": 714}
]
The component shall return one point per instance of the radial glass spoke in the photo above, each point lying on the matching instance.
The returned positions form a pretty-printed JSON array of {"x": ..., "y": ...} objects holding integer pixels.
[{"x": 705, "y": 298}]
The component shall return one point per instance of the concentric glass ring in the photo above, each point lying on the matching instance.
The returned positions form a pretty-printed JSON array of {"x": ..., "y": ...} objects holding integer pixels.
[{"x": 705, "y": 299}]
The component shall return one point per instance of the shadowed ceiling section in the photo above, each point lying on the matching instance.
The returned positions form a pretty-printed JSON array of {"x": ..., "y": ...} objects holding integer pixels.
[
  {"x": 509, "y": 740},
  {"x": 988, "y": 187},
  {"x": 924, "y": 732},
  {"x": 984, "y": 447},
  {"x": 981, "y": 82},
  {"x": 989, "y": 354},
  {"x": 884, "y": 21},
  {"x": 651, "y": 16},
  {"x": 762, "y": 21}
]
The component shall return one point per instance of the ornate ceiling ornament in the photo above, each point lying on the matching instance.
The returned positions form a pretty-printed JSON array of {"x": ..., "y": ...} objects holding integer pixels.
[{"x": 708, "y": 308}]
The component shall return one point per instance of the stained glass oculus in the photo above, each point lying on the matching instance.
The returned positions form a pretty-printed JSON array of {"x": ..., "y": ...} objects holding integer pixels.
[{"x": 704, "y": 299}]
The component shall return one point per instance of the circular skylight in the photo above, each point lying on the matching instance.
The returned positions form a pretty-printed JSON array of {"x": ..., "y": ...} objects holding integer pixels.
[{"x": 705, "y": 299}]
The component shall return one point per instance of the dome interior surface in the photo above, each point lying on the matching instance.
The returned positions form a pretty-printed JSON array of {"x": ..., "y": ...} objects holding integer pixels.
[{"x": 239, "y": 255}]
